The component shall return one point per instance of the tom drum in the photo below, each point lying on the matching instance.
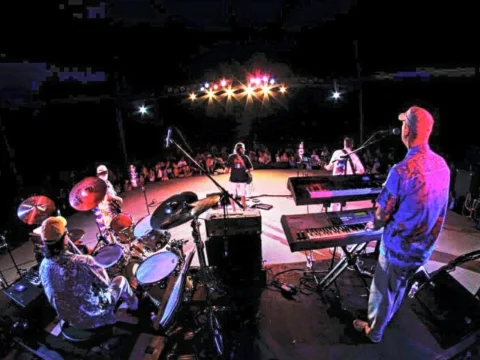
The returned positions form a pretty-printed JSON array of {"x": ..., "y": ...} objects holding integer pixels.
[
  {"x": 113, "y": 258},
  {"x": 154, "y": 240},
  {"x": 122, "y": 226},
  {"x": 157, "y": 269}
]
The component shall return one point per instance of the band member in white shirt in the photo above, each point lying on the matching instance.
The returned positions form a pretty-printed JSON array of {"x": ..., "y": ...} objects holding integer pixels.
[
  {"x": 110, "y": 206},
  {"x": 351, "y": 164}
]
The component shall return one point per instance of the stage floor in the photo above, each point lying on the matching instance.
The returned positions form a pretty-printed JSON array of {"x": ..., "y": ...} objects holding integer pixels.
[
  {"x": 270, "y": 187},
  {"x": 305, "y": 328}
]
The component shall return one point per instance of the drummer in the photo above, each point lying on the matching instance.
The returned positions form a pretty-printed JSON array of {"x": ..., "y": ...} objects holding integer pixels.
[
  {"x": 77, "y": 287},
  {"x": 109, "y": 207}
]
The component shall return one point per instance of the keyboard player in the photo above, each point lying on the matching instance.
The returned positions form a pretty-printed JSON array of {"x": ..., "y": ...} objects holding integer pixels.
[{"x": 352, "y": 164}]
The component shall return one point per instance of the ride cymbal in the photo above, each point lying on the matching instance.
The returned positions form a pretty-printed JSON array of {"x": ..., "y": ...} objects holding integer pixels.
[
  {"x": 87, "y": 194},
  {"x": 35, "y": 209},
  {"x": 174, "y": 211}
]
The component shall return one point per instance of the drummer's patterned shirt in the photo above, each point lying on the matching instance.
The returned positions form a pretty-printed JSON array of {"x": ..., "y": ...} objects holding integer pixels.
[
  {"x": 105, "y": 211},
  {"x": 78, "y": 289}
]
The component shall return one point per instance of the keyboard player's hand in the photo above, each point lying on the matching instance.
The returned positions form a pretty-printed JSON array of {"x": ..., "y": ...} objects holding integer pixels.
[{"x": 369, "y": 226}]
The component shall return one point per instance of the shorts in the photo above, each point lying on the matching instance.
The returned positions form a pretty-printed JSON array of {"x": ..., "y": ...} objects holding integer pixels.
[{"x": 239, "y": 189}]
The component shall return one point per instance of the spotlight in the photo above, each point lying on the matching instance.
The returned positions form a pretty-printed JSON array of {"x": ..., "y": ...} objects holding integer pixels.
[
  {"x": 193, "y": 96},
  {"x": 210, "y": 94},
  {"x": 336, "y": 95},
  {"x": 249, "y": 90},
  {"x": 142, "y": 110},
  {"x": 229, "y": 92},
  {"x": 223, "y": 83},
  {"x": 266, "y": 89},
  {"x": 283, "y": 89},
  {"x": 272, "y": 81}
]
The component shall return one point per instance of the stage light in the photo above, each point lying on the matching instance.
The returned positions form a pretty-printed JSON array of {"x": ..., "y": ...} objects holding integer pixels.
[
  {"x": 223, "y": 83},
  {"x": 210, "y": 94},
  {"x": 266, "y": 89},
  {"x": 283, "y": 89},
  {"x": 255, "y": 81},
  {"x": 336, "y": 95},
  {"x": 142, "y": 110},
  {"x": 202, "y": 89},
  {"x": 272, "y": 81},
  {"x": 193, "y": 96},
  {"x": 229, "y": 92},
  {"x": 207, "y": 85},
  {"x": 249, "y": 90},
  {"x": 265, "y": 79}
]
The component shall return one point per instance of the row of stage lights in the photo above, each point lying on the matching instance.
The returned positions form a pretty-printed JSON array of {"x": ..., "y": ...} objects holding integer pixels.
[{"x": 263, "y": 84}]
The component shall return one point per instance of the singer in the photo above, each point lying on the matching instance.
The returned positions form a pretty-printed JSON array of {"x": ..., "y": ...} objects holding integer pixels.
[
  {"x": 78, "y": 288},
  {"x": 350, "y": 164},
  {"x": 109, "y": 207},
  {"x": 412, "y": 208},
  {"x": 240, "y": 167}
]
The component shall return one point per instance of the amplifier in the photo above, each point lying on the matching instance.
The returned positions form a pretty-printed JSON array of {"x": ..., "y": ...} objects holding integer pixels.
[
  {"x": 450, "y": 312},
  {"x": 237, "y": 257},
  {"x": 236, "y": 223}
]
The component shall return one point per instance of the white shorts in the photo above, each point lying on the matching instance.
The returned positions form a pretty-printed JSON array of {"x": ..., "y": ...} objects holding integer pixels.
[{"x": 239, "y": 189}]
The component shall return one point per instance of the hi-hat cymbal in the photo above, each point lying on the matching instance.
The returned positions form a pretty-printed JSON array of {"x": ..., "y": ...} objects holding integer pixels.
[
  {"x": 35, "y": 209},
  {"x": 174, "y": 211},
  {"x": 87, "y": 194},
  {"x": 200, "y": 206},
  {"x": 75, "y": 234}
]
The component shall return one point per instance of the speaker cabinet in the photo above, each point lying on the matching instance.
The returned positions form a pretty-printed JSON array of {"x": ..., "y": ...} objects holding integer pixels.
[{"x": 237, "y": 257}]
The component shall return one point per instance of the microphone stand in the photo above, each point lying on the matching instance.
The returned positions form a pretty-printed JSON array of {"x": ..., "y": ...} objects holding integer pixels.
[
  {"x": 223, "y": 197},
  {"x": 147, "y": 204},
  {"x": 224, "y": 192},
  {"x": 347, "y": 157}
]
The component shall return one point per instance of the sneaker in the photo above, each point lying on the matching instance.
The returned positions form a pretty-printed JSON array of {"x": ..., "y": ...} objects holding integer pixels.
[{"x": 363, "y": 327}]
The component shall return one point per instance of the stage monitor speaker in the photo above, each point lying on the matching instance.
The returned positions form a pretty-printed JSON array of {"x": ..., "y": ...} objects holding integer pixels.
[
  {"x": 448, "y": 309},
  {"x": 237, "y": 257}
]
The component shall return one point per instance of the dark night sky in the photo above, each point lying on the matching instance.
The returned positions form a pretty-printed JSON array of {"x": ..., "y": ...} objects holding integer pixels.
[{"x": 393, "y": 35}]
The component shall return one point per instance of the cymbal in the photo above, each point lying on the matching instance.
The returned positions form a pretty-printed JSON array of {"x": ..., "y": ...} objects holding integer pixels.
[
  {"x": 76, "y": 234},
  {"x": 35, "y": 209},
  {"x": 174, "y": 211},
  {"x": 200, "y": 206},
  {"x": 87, "y": 194}
]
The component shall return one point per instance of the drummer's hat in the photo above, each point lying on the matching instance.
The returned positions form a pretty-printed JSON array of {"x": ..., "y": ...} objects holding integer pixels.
[{"x": 53, "y": 229}]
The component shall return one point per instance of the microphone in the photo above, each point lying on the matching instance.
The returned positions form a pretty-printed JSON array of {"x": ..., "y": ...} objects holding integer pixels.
[
  {"x": 168, "y": 137},
  {"x": 394, "y": 131}
]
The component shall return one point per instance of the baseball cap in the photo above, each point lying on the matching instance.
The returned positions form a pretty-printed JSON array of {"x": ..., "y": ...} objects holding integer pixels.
[
  {"x": 53, "y": 229},
  {"x": 419, "y": 120},
  {"x": 102, "y": 169}
]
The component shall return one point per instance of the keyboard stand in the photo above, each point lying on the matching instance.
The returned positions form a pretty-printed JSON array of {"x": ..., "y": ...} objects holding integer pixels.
[{"x": 350, "y": 259}]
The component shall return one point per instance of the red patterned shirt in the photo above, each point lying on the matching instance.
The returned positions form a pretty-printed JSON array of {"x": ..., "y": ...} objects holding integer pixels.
[{"x": 415, "y": 199}]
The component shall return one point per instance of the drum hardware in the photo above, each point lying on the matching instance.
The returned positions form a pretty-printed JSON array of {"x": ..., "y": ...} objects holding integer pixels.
[
  {"x": 35, "y": 210},
  {"x": 173, "y": 212}
]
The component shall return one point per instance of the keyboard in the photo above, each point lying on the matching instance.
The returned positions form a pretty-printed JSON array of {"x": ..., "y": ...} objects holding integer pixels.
[
  {"x": 325, "y": 230},
  {"x": 325, "y": 190}
]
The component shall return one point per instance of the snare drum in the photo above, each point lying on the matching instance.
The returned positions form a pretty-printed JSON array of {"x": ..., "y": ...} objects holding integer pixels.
[
  {"x": 157, "y": 269},
  {"x": 154, "y": 240},
  {"x": 122, "y": 226},
  {"x": 113, "y": 258}
]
